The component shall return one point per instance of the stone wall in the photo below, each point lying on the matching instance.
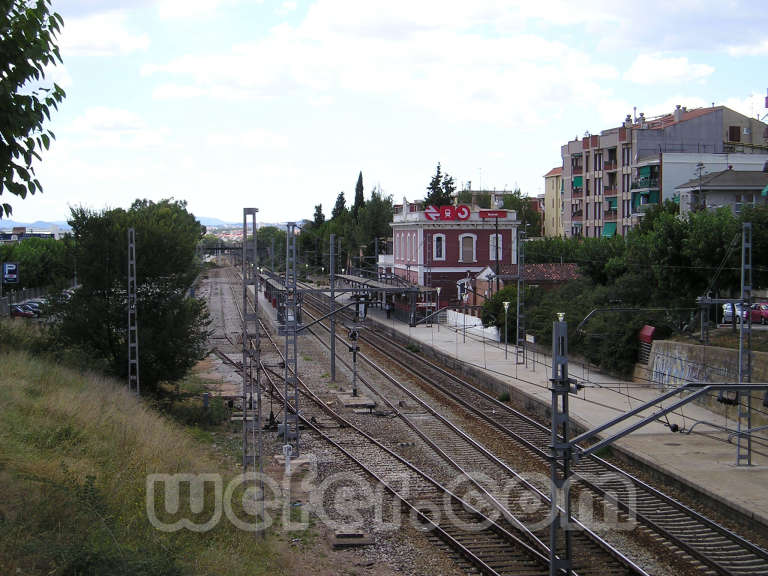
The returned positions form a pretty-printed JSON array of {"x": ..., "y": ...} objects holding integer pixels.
[{"x": 673, "y": 364}]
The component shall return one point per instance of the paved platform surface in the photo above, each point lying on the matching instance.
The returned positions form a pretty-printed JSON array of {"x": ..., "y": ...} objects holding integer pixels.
[{"x": 705, "y": 461}]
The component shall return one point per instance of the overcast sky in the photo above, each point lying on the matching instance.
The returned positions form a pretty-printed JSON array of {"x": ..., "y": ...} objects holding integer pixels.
[{"x": 279, "y": 104}]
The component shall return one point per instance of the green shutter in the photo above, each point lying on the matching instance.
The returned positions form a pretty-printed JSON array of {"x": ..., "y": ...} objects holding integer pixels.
[
  {"x": 612, "y": 203},
  {"x": 578, "y": 181},
  {"x": 609, "y": 229},
  {"x": 644, "y": 172}
]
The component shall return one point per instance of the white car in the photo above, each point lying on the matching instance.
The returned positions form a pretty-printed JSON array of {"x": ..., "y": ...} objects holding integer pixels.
[{"x": 728, "y": 313}]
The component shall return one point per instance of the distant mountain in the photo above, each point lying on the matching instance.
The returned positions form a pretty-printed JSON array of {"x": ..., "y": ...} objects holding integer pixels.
[
  {"x": 8, "y": 224},
  {"x": 205, "y": 221}
]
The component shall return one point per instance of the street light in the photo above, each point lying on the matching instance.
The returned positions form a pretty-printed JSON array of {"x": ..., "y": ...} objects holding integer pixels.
[
  {"x": 438, "y": 308},
  {"x": 506, "y": 325}
]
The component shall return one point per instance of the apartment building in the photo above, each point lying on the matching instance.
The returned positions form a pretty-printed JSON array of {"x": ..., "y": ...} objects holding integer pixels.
[
  {"x": 610, "y": 179},
  {"x": 553, "y": 202}
]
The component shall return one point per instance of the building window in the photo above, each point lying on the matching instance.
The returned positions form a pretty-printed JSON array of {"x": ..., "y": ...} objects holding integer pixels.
[
  {"x": 493, "y": 238},
  {"x": 467, "y": 248},
  {"x": 438, "y": 247},
  {"x": 598, "y": 186},
  {"x": 734, "y": 134},
  {"x": 408, "y": 248},
  {"x": 413, "y": 248},
  {"x": 398, "y": 242},
  {"x": 626, "y": 155}
]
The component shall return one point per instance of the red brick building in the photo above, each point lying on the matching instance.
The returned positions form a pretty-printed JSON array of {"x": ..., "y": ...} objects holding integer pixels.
[{"x": 437, "y": 247}]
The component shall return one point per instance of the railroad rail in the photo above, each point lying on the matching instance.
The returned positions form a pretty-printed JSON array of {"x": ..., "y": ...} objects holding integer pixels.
[{"x": 712, "y": 547}]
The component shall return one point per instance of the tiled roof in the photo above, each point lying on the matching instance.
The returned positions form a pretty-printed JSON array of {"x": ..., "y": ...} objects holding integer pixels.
[
  {"x": 544, "y": 273},
  {"x": 554, "y": 172},
  {"x": 669, "y": 119},
  {"x": 741, "y": 179}
]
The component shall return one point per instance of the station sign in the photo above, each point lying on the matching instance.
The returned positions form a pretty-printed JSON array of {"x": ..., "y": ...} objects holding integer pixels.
[
  {"x": 493, "y": 213},
  {"x": 433, "y": 213},
  {"x": 10, "y": 273}
]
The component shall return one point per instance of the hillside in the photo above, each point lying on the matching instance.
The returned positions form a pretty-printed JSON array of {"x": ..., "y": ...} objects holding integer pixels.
[{"x": 76, "y": 449}]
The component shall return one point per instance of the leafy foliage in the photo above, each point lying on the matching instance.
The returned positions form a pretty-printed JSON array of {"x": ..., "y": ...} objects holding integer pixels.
[
  {"x": 28, "y": 33},
  {"x": 172, "y": 327},
  {"x": 340, "y": 208},
  {"x": 440, "y": 189}
]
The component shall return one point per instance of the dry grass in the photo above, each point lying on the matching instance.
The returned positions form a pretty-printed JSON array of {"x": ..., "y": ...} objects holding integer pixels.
[{"x": 76, "y": 449}]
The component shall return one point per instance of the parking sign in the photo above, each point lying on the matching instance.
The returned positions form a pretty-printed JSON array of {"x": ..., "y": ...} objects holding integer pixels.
[{"x": 10, "y": 273}]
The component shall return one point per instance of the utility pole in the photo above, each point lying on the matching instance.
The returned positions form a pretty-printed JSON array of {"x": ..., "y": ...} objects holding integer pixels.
[
  {"x": 520, "y": 324},
  {"x": 133, "y": 322},
  {"x": 744, "y": 437},
  {"x": 291, "y": 411},
  {"x": 251, "y": 348},
  {"x": 561, "y": 450},
  {"x": 332, "y": 305}
]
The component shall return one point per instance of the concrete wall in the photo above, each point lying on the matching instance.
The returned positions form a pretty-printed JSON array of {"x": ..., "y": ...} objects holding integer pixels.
[{"x": 673, "y": 364}]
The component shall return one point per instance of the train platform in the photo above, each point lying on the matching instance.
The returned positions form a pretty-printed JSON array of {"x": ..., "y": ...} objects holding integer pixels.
[{"x": 704, "y": 461}]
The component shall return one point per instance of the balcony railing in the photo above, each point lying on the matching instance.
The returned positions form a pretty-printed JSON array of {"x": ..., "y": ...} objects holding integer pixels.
[
  {"x": 578, "y": 215},
  {"x": 610, "y": 191},
  {"x": 645, "y": 183},
  {"x": 577, "y": 192},
  {"x": 610, "y": 165},
  {"x": 577, "y": 170},
  {"x": 610, "y": 215}
]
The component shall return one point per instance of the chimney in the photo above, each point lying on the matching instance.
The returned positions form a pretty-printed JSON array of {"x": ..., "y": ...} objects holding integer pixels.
[
  {"x": 678, "y": 113},
  {"x": 628, "y": 121},
  {"x": 642, "y": 119}
]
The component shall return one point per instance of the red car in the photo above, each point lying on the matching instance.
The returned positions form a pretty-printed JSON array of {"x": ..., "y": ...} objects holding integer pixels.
[
  {"x": 22, "y": 311},
  {"x": 759, "y": 313}
]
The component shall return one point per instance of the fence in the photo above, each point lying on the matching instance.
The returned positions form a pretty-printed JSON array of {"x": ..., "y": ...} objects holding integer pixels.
[{"x": 16, "y": 296}]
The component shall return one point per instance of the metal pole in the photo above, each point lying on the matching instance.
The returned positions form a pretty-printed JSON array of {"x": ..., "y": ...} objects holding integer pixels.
[
  {"x": 332, "y": 307},
  {"x": 506, "y": 327},
  {"x": 560, "y": 449},
  {"x": 497, "y": 254}
]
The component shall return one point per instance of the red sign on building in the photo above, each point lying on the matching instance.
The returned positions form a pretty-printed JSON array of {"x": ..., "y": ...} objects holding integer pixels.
[
  {"x": 493, "y": 213},
  {"x": 447, "y": 212}
]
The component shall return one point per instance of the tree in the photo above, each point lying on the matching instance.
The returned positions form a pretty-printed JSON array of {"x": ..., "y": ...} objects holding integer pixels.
[
  {"x": 28, "y": 33},
  {"x": 319, "y": 216},
  {"x": 172, "y": 326},
  {"x": 341, "y": 206},
  {"x": 440, "y": 189},
  {"x": 359, "y": 199},
  {"x": 530, "y": 219}
]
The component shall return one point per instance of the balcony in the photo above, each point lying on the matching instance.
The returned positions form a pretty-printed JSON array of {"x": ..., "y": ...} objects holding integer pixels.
[
  {"x": 577, "y": 169},
  {"x": 610, "y": 215},
  {"x": 610, "y": 191},
  {"x": 645, "y": 183},
  {"x": 577, "y": 216},
  {"x": 610, "y": 165},
  {"x": 577, "y": 193}
]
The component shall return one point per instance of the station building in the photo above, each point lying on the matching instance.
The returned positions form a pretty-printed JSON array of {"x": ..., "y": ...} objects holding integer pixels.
[{"x": 439, "y": 246}]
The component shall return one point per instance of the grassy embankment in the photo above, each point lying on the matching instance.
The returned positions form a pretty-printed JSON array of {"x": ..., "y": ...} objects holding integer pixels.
[{"x": 75, "y": 449}]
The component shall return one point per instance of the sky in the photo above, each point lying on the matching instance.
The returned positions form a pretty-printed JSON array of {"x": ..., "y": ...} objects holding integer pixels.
[{"x": 279, "y": 104}]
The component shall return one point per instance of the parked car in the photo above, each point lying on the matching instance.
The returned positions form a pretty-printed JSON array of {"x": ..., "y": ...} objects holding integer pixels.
[
  {"x": 22, "y": 311},
  {"x": 728, "y": 313},
  {"x": 38, "y": 305},
  {"x": 759, "y": 313}
]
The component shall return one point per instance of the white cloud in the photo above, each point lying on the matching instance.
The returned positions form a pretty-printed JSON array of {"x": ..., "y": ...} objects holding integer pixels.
[
  {"x": 388, "y": 51},
  {"x": 753, "y": 105},
  {"x": 257, "y": 139},
  {"x": 113, "y": 127},
  {"x": 192, "y": 9},
  {"x": 286, "y": 8},
  {"x": 103, "y": 34},
  {"x": 658, "y": 69},
  {"x": 757, "y": 49}
]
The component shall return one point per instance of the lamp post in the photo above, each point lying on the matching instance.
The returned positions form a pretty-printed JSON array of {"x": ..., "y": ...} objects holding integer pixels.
[
  {"x": 438, "y": 308},
  {"x": 506, "y": 325}
]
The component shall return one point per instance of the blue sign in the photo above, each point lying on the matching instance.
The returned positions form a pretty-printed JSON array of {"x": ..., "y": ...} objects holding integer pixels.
[{"x": 10, "y": 273}]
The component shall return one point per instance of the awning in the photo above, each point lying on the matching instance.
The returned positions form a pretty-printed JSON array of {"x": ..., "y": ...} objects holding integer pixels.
[
  {"x": 612, "y": 203},
  {"x": 644, "y": 171},
  {"x": 578, "y": 181},
  {"x": 609, "y": 229}
]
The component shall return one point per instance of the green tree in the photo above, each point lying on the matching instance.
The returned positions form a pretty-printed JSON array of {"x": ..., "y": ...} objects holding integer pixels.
[
  {"x": 530, "y": 219},
  {"x": 440, "y": 189},
  {"x": 359, "y": 198},
  {"x": 340, "y": 208},
  {"x": 319, "y": 217},
  {"x": 172, "y": 326},
  {"x": 28, "y": 31}
]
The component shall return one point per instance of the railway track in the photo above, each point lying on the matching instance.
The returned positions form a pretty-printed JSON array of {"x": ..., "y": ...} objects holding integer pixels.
[
  {"x": 483, "y": 545},
  {"x": 711, "y": 548}
]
